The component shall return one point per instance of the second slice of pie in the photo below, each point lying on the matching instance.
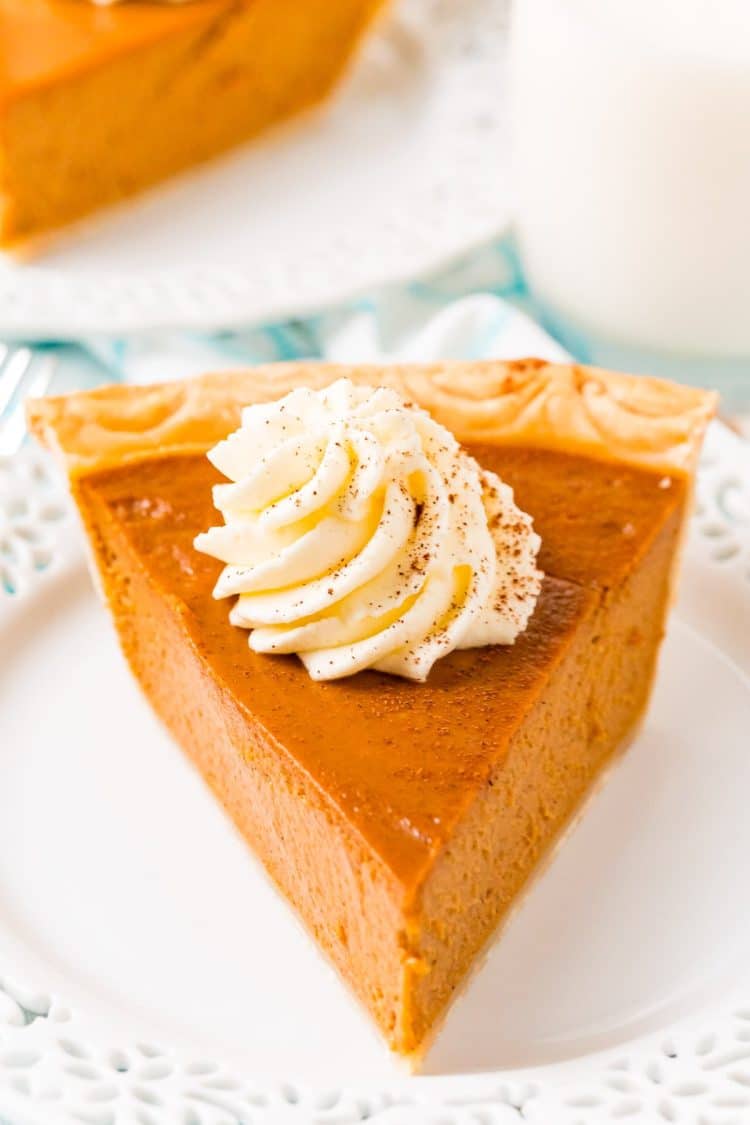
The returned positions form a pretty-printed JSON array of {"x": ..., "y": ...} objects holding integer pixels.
[{"x": 98, "y": 104}]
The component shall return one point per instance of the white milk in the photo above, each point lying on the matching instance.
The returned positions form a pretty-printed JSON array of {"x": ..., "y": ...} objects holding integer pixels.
[{"x": 632, "y": 149}]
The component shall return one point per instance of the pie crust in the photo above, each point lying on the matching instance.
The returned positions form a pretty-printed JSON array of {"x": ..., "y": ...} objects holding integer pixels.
[{"x": 634, "y": 419}]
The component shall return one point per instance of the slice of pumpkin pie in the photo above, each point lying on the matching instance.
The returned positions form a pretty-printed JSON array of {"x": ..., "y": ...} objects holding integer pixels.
[{"x": 400, "y": 662}]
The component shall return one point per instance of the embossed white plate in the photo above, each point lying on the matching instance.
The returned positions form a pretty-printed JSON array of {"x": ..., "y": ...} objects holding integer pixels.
[
  {"x": 148, "y": 974},
  {"x": 406, "y": 167}
]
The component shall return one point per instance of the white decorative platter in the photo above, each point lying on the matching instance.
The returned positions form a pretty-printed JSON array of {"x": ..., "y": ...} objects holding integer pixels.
[
  {"x": 148, "y": 975},
  {"x": 404, "y": 169}
]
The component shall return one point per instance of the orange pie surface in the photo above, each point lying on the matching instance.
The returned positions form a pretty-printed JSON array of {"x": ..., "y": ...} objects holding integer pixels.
[
  {"x": 99, "y": 103},
  {"x": 401, "y": 820}
]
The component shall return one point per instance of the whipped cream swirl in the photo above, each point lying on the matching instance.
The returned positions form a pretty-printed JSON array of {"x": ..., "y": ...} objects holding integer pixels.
[{"x": 359, "y": 534}]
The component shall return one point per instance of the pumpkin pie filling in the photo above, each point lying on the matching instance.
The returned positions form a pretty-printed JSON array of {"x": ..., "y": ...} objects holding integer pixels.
[
  {"x": 403, "y": 764},
  {"x": 401, "y": 820}
]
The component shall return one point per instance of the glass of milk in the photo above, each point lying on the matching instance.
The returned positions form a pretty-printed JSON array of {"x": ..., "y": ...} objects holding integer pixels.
[{"x": 632, "y": 160}]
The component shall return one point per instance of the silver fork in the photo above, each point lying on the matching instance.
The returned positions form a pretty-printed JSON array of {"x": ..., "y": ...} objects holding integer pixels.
[{"x": 23, "y": 375}]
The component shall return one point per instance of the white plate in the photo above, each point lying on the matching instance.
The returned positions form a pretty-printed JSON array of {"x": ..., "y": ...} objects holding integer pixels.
[
  {"x": 148, "y": 974},
  {"x": 404, "y": 169}
]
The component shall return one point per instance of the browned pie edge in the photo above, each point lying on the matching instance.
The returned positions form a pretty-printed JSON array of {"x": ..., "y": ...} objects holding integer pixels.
[{"x": 634, "y": 419}]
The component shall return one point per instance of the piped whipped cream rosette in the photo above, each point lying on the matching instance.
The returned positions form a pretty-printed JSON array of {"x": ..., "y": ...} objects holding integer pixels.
[{"x": 359, "y": 534}]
